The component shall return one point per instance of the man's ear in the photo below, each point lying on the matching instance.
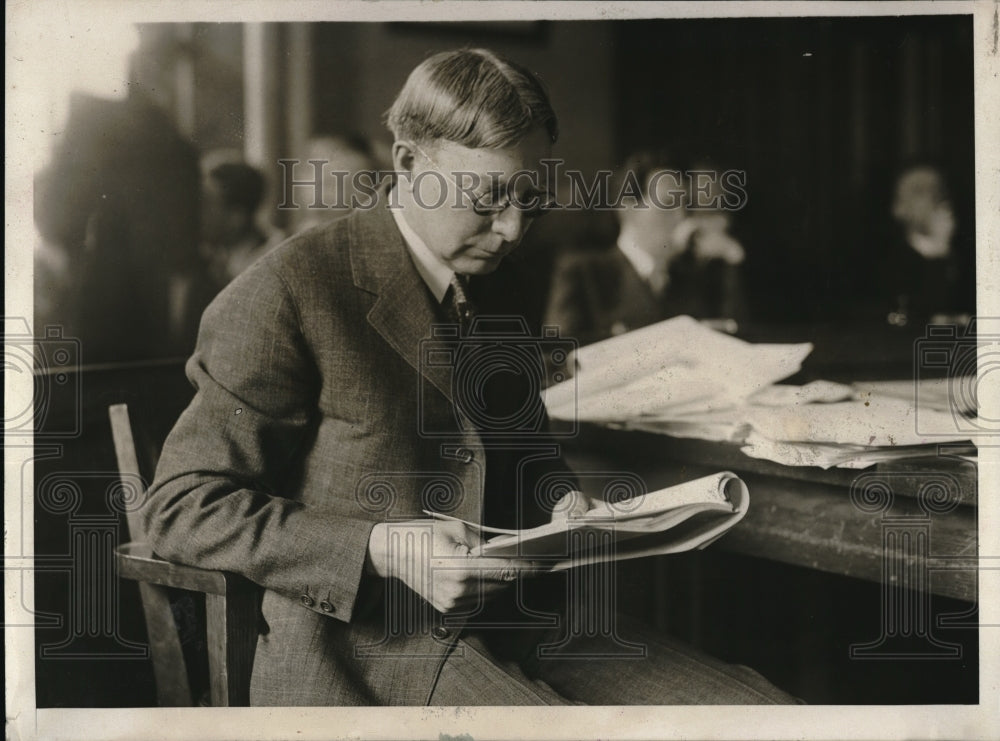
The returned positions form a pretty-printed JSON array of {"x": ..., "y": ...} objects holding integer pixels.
[{"x": 403, "y": 153}]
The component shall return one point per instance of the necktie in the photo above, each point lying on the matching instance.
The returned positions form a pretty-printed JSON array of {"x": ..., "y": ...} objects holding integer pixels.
[
  {"x": 457, "y": 302},
  {"x": 484, "y": 399}
]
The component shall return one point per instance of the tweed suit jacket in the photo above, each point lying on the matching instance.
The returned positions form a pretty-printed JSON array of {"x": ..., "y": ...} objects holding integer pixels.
[{"x": 315, "y": 417}]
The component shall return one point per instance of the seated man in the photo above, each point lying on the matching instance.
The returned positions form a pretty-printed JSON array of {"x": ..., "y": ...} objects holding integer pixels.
[
  {"x": 665, "y": 262},
  {"x": 929, "y": 269},
  {"x": 347, "y": 383}
]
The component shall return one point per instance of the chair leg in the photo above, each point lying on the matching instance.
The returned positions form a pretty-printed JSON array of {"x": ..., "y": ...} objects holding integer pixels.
[
  {"x": 172, "y": 688},
  {"x": 232, "y": 639}
]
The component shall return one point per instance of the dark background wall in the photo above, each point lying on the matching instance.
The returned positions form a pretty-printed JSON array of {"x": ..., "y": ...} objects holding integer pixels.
[
  {"x": 359, "y": 68},
  {"x": 821, "y": 113}
]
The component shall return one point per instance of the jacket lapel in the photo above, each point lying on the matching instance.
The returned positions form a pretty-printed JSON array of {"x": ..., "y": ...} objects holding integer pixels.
[{"x": 404, "y": 309}]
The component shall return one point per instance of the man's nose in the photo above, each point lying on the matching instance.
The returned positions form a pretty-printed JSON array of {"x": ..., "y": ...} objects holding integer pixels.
[{"x": 511, "y": 224}]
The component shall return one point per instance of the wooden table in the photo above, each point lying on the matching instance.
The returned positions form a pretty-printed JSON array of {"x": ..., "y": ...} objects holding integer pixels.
[{"x": 910, "y": 525}]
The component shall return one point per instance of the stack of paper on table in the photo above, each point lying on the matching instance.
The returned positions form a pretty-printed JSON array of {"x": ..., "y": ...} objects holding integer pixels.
[
  {"x": 682, "y": 379},
  {"x": 848, "y": 434},
  {"x": 939, "y": 394},
  {"x": 669, "y": 368}
]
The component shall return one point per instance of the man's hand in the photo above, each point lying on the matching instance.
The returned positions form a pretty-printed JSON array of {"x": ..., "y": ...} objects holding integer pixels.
[
  {"x": 433, "y": 558},
  {"x": 712, "y": 242}
]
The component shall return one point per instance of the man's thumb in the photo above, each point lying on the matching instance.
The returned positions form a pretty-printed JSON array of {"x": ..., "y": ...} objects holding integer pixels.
[{"x": 571, "y": 504}]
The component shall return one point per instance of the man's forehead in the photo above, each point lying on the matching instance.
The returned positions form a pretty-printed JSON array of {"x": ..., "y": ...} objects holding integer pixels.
[{"x": 525, "y": 155}]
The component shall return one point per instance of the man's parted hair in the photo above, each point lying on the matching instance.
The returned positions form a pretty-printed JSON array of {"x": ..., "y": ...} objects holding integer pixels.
[{"x": 472, "y": 97}]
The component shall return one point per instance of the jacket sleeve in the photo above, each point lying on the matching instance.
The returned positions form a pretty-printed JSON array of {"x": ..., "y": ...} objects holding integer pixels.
[{"x": 220, "y": 496}]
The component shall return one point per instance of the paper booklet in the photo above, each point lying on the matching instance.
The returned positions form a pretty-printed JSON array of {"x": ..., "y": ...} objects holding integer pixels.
[{"x": 679, "y": 518}]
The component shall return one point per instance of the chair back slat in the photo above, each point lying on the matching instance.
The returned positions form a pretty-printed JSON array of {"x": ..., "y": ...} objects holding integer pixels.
[
  {"x": 169, "y": 669},
  {"x": 232, "y": 603},
  {"x": 130, "y": 473}
]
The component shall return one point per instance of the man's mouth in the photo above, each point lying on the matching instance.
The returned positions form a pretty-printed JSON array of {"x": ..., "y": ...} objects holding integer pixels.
[{"x": 501, "y": 250}]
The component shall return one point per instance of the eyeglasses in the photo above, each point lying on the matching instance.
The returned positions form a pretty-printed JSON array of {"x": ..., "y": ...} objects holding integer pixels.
[{"x": 493, "y": 203}]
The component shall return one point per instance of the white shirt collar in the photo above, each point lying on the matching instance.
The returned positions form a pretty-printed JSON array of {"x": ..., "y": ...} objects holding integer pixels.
[
  {"x": 436, "y": 274},
  {"x": 641, "y": 260}
]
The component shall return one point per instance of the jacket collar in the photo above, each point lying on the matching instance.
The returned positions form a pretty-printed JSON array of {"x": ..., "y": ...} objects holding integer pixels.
[{"x": 404, "y": 310}]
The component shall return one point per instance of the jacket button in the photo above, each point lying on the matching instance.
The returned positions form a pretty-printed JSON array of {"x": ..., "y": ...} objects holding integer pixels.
[
  {"x": 306, "y": 600},
  {"x": 326, "y": 606},
  {"x": 464, "y": 455},
  {"x": 441, "y": 632}
]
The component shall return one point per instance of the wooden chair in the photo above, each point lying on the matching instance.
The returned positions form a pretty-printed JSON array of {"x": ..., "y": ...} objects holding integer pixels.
[{"x": 231, "y": 602}]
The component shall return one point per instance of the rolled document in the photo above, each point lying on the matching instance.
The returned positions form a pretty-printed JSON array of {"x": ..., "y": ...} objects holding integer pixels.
[{"x": 671, "y": 520}]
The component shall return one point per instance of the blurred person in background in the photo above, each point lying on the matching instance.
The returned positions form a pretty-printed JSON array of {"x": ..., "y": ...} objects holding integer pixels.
[
  {"x": 342, "y": 158},
  {"x": 928, "y": 275},
  {"x": 117, "y": 215},
  {"x": 232, "y": 235},
  {"x": 667, "y": 260}
]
